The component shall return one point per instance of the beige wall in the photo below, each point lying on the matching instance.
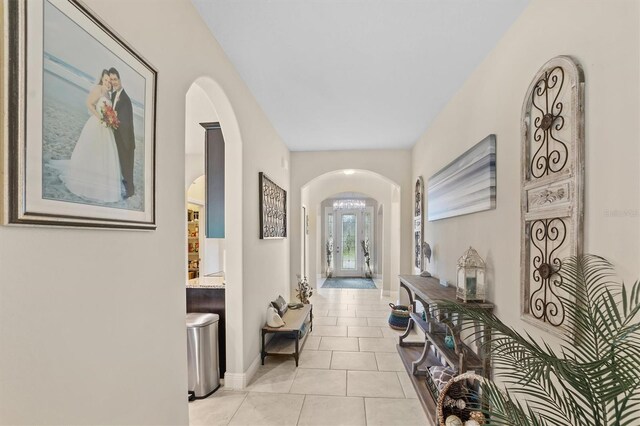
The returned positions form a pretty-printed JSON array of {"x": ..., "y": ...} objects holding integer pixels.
[
  {"x": 92, "y": 321},
  {"x": 198, "y": 109},
  {"x": 266, "y": 262},
  {"x": 603, "y": 37},
  {"x": 394, "y": 165}
]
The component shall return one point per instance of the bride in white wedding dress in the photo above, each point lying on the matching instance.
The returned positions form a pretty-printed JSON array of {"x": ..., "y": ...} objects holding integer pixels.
[{"x": 93, "y": 172}]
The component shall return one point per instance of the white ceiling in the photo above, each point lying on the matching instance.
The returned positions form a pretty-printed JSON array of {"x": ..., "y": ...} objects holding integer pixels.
[{"x": 358, "y": 74}]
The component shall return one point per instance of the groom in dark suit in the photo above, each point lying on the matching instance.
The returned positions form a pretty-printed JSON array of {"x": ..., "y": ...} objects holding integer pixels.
[{"x": 125, "y": 140}]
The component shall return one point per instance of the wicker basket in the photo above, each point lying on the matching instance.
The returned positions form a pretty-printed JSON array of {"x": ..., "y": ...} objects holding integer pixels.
[
  {"x": 399, "y": 316},
  {"x": 445, "y": 390}
]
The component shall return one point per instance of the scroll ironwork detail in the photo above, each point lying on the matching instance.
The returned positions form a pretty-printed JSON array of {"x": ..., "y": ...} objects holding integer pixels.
[
  {"x": 273, "y": 209},
  {"x": 552, "y": 154},
  {"x": 418, "y": 226},
  {"x": 547, "y": 237}
]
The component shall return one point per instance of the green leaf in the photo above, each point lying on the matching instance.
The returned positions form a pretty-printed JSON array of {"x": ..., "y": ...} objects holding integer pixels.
[{"x": 593, "y": 379}]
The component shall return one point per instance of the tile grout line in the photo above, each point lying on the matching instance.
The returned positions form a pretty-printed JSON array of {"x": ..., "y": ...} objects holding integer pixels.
[
  {"x": 304, "y": 399},
  {"x": 364, "y": 403},
  {"x": 403, "y": 391},
  {"x": 238, "y": 409},
  {"x": 346, "y": 383},
  {"x": 294, "y": 379}
]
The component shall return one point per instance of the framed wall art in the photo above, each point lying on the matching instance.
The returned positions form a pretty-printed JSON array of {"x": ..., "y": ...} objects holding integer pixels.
[
  {"x": 273, "y": 209},
  {"x": 80, "y": 139},
  {"x": 418, "y": 224},
  {"x": 466, "y": 185}
]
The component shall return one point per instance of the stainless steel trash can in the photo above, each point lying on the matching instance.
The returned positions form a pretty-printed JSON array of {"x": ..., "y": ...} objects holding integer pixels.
[{"x": 202, "y": 354}]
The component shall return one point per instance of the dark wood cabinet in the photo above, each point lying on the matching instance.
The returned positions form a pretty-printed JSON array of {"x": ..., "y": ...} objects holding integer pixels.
[
  {"x": 211, "y": 300},
  {"x": 214, "y": 172}
]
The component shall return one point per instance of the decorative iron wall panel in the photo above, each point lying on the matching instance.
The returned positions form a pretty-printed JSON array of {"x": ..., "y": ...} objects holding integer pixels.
[
  {"x": 273, "y": 209},
  {"x": 552, "y": 188},
  {"x": 418, "y": 224}
]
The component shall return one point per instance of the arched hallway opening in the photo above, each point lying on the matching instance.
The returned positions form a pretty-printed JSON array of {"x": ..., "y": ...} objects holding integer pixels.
[
  {"x": 206, "y": 102},
  {"x": 386, "y": 194}
]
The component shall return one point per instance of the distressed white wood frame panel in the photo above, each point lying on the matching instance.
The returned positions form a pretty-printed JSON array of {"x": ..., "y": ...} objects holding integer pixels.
[{"x": 552, "y": 201}]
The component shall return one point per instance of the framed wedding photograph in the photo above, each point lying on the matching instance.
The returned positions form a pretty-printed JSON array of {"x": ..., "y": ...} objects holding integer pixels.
[{"x": 79, "y": 139}]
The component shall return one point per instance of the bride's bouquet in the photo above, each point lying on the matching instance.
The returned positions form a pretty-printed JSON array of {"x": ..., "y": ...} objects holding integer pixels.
[{"x": 109, "y": 117}]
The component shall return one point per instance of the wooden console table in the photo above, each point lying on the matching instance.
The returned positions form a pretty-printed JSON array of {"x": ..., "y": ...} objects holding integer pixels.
[
  {"x": 287, "y": 338},
  {"x": 419, "y": 356}
]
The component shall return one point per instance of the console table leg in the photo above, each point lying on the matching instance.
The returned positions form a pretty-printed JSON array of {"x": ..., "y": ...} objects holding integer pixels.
[
  {"x": 412, "y": 308},
  {"x": 412, "y": 303},
  {"x": 406, "y": 332},
  {"x": 297, "y": 347},
  {"x": 423, "y": 357}
]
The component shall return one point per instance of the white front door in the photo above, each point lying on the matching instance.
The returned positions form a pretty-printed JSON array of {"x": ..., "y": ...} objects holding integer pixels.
[{"x": 348, "y": 253}]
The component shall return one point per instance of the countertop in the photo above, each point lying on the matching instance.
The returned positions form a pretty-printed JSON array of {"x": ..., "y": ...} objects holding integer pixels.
[{"x": 206, "y": 282}]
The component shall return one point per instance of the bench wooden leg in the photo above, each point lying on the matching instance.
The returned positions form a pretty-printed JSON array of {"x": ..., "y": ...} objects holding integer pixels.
[
  {"x": 263, "y": 352},
  {"x": 297, "y": 348}
]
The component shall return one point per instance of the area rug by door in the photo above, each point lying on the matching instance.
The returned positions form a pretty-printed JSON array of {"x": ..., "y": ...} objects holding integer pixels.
[{"x": 339, "y": 282}]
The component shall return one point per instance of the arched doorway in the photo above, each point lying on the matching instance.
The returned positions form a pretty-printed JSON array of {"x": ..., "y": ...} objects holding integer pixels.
[
  {"x": 374, "y": 185},
  {"x": 205, "y": 101},
  {"x": 348, "y": 240}
]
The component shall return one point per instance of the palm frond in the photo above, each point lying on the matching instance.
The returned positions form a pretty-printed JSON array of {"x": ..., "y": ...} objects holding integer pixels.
[{"x": 594, "y": 376}]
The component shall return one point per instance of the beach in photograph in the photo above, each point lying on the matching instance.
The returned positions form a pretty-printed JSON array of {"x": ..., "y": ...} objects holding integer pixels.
[{"x": 71, "y": 58}]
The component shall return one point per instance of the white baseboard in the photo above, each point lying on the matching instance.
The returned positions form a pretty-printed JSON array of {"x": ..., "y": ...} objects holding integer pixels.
[
  {"x": 233, "y": 380},
  {"x": 389, "y": 293},
  {"x": 241, "y": 380}
]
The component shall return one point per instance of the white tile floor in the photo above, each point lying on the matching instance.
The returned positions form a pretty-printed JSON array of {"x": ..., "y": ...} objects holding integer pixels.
[{"x": 349, "y": 374}]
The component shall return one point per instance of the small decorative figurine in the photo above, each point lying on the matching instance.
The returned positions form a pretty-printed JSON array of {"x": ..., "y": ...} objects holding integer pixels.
[
  {"x": 304, "y": 290},
  {"x": 478, "y": 417},
  {"x": 426, "y": 254}
]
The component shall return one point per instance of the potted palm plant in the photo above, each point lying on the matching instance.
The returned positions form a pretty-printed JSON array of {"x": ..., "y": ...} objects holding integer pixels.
[
  {"x": 329, "y": 252},
  {"x": 367, "y": 258},
  {"x": 592, "y": 379}
]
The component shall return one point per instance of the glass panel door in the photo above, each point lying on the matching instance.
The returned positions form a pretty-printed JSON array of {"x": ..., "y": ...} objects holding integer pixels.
[
  {"x": 329, "y": 243},
  {"x": 348, "y": 256},
  {"x": 349, "y": 242}
]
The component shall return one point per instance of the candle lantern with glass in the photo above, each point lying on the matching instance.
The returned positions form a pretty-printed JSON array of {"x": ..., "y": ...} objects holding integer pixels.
[{"x": 471, "y": 282}]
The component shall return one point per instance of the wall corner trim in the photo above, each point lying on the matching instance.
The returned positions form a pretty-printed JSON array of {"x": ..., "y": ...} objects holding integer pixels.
[{"x": 238, "y": 381}]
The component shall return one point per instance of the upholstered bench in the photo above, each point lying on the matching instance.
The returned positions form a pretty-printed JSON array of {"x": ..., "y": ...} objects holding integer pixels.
[{"x": 288, "y": 339}]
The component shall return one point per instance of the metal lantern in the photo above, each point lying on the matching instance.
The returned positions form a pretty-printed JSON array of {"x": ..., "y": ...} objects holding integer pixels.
[{"x": 471, "y": 277}]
